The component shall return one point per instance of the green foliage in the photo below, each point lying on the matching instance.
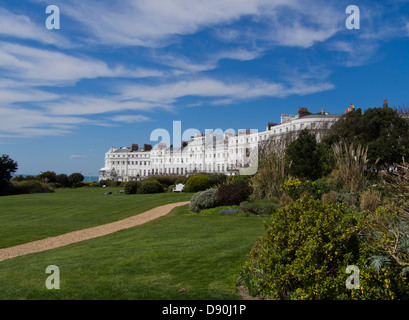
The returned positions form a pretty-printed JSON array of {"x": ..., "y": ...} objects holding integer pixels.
[
  {"x": 270, "y": 175},
  {"x": 131, "y": 187},
  {"x": 295, "y": 188},
  {"x": 75, "y": 178},
  {"x": 26, "y": 187},
  {"x": 63, "y": 179},
  {"x": 7, "y": 167},
  {"x": 238, "y": 179},
  {"x": 303, "y": 156},
  {"x": 150, "y": 186},
  {"x": 233, "y": 194},
  {"x": 48, "y": 176},
  {"x": 304, "y": 254},
  {"x": 350, "y": 199},
  {"x": 221, "y": 210},
  {"x": 351, "y": 167},
  {"x": 204, "y": 200},
  {"x": 166, "y": 181},
  {"x": 197, "y": 183},
  {"x": 382, "y": 130},
  {"x": 259, "y": 207}
]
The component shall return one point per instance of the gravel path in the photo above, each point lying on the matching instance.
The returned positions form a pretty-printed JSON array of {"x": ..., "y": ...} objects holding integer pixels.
[{"x": 85, "y": 234}]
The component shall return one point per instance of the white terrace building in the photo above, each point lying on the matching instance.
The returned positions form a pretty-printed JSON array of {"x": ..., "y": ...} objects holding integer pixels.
[{"x": 226, "y": 153}]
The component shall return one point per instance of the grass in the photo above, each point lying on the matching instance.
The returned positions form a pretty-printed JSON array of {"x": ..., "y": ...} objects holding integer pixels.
[
  {"x": 25, "y": 218},
  {"x": 200, "y": 253}
]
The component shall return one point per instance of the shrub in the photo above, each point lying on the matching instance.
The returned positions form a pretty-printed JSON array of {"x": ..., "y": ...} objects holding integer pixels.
[
  {"x": 259, "y": 206},
  {"x": 6, "y": 188},
  {"x": 55, "y": 185},
  {"x": 351, "y": 167},
  {"x": 150, "y": 186},
  {"x": 285, "y": 199},
  {"x": 350, "y": 199},
  {"x": 33, "y": 186},
  {"x": 204, "y": 200},
  {"x": 370, "y": 200},
  {"x": 304, "y": 253},
  {"x": 296, "y": 188},
  {"x": 131, "y": 187},
  {"x": 384, "y": 260},
  {"x": 75, "y": 179},
  {"x": 329, "y": 197},
  {"x": 239, "y": 179},
  {"x": 63, "y": 179},
  {"x": 197, "y": 183},
  {"x": 233, "y": 194},
  {"x": 221, "y": 210},
  {"x": 271, "y": 172}
]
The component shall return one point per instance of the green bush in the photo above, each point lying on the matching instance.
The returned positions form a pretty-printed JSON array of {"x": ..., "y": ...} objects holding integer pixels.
[
  {"x": 131, "y": 187},
  {"x": 259, "y": 206},
  {"x": 167, "y": 181},
  {"x": 150, "y": 186},
  {"x": 25, "y": 187},
  {"x": 240, "y": 179},
  {"x": 6, "y": 188},
  {"x": 197, "y": 183},
  {"x": 221, "y": 210},
  {"x": 204, "y": 200},
  {"x": 233, "y": 194},
  {"x": 350, "y": 199},
  {"x": 55, "y": 185},
  {"x": 304, "y": 254}
]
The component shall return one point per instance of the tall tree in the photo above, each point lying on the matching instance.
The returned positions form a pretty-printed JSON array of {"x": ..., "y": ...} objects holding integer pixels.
[
  {"x": 383, "y": 130},
  {"x": 303, "y": 157},
  {"x": 7, "y": 167}
]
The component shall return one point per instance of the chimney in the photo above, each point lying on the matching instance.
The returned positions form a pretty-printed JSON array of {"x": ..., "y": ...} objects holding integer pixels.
[
  {"x": 385, "y": 103},
  {"x": 303, "y": 112},
  {"x": 147, "y": 147},
  {"x": 351, "y": 107},
  {"x": 134, "y": 147}
]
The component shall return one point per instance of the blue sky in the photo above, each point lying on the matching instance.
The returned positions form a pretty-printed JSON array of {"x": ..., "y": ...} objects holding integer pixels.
[{"x": 117, "y": 70}]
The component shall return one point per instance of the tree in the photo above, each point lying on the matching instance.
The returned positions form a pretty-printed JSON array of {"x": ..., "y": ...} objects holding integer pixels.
[
  {"x": 7, "y": 167},
  {"x": 303, "y": 157},
  {"x": 63, "y": 179},
  {"x": 383, "y": 130},
  {"x": 75, "y": 178},
  {"x": 48, "y": 176}
]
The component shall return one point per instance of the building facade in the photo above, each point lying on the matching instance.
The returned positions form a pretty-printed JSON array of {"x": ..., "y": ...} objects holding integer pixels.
[{"x": 216, "y": 152}]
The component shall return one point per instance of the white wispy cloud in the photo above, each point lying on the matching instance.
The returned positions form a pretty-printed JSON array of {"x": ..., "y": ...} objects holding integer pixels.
[
  {"x": 129, "y": 118},
  {"x": 154, "y": 23},
  {"x": 222, "y": 91},
  {"x": 77, "y": 156},
  {"x": 22, "y": 27},
  {"x": 49, "y": 67}
]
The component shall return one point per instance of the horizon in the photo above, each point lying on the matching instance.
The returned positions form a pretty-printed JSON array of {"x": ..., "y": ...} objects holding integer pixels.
[{"x": 109, "y": 75}]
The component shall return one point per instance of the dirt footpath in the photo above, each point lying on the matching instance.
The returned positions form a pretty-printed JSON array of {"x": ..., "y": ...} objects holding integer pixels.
[{"x": 86, "y": 234}]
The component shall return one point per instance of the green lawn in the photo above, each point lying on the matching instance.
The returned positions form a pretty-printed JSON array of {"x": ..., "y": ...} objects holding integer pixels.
[
  {"x": 25, "y": 218},
  {"x": 202, "y": 254}
]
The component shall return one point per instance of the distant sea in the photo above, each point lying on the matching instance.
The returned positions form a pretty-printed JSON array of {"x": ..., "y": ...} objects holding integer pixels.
[{"x": 86, "y": 178}]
